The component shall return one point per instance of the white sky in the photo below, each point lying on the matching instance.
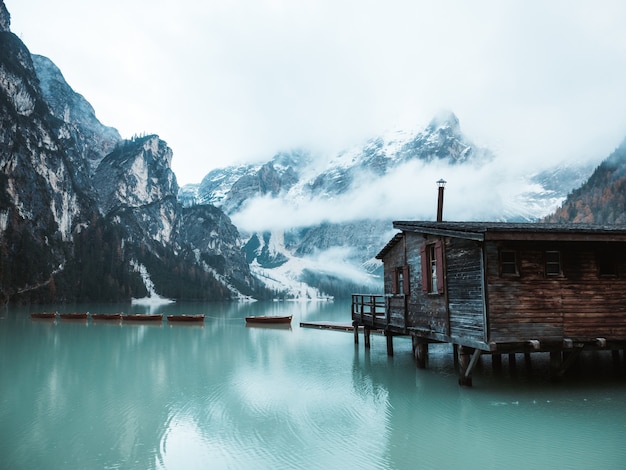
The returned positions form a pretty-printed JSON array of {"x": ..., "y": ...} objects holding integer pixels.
[{"x": 225, "y": 81}]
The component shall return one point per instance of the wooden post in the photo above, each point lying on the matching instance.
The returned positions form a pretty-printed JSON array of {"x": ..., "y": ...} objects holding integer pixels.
[
  {"x": 556, "y": 369},
  {"x": 465, "y": 378},
  {"x": 420, "y": 351},
  {"x": 356, "y": 334},
  {"x": 527, "y": 360},
  {"x": 389, "y": 337},
  {"x": 496, "y": 362},
  {"x": 615, "y": 356},
  {"x": 512, "y": 362},
  {"x": 366, "y": 336}
]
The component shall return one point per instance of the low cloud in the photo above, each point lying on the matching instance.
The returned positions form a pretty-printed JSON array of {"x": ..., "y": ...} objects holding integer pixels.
[{"x": 409, "y": 192}]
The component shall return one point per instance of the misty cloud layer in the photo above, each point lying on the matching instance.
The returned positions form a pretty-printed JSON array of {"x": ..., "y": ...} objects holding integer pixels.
[{"x": 408, "y": 192}]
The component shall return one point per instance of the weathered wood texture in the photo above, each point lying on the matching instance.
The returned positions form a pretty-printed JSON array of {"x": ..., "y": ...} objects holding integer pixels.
[
  {"x": 579, "y": 304},
  {"x": 465, "y": 288},
  {"x": 425, "y": 311}
]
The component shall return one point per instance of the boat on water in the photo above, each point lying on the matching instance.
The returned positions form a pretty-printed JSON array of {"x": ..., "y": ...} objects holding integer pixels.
[
  {"x": 73, "y": 316},
  {"x": 44, "y": 315},
  {"x": 106, "y": 316},
  {"x": 269, "y": 319},
  {"x": 186, "y": 318},
  {"x": 143, "y": 317}
]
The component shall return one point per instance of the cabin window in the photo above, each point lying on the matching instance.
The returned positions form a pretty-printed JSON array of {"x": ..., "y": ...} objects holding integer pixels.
[
  {"x": 607, "y": 265},
  {"x": 400, "y": 280},
  {"x": 553, "y": 263},
  {"x": 508, "y": 263},
  {"x": 432, "y": 268}
]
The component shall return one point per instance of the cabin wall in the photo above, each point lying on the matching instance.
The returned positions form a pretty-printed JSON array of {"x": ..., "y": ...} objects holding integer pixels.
[
  {"x": 465, "y": 289},
  {"x": 578, "y": 304},
  {"x": 415, "y": 309},
  {"x": 425, "y": 311}
]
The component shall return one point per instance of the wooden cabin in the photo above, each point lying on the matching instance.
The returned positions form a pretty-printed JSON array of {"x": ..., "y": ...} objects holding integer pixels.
[{"x": 501, "y": 288}]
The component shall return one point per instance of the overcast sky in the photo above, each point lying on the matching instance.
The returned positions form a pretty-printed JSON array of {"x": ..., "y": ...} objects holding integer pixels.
[{"x": 226, "y": 81}]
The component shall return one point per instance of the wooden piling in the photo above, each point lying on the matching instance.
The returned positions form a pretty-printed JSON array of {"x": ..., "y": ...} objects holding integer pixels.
[
  {"x": 465, "y": 377},
  {"x": 496, "y": 362},
  {"x": 366, "y": 337},
  {"x": 389, "y": 337},
  {"x": 420, "y": 352}
]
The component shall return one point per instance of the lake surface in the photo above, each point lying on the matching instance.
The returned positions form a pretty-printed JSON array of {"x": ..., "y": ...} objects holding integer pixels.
[{"x": 223, "y": 395}]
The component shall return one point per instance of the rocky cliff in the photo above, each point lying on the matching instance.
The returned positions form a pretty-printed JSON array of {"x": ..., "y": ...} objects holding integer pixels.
[{"x": 86, "y": 215}]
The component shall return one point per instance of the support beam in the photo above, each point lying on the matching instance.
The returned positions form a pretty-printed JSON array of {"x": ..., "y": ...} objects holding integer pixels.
[
  {"x": 496, "y": 362},
  {"x": 467, "y": 364},
  {"x": 389, "y": 337},
  {"x": 420, "y": 352},
  {"x": 356, "y": 334},
  {"x": 366, "y": 336}
]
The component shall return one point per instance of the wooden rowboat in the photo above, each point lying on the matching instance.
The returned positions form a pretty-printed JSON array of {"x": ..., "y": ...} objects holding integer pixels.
[
  {"x": 44, "y": 315},
  {"x": 73, "y": 316},
  {"x": 144, "y": 317},
  {"x": 186, "y": 318},
  {"x": 269, "y": 319},
  {"x": 106, "y": 316}
]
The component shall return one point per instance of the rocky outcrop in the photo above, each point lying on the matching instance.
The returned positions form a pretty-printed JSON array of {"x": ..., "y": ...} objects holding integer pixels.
[
  {"x": 85, "y": 215},
  {"x": 5, "y": 18},
  {"x": 88, "y": 140}
]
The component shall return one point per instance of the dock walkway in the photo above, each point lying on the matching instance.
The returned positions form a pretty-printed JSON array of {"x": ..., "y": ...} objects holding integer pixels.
[{"x": 333, "y": 325}]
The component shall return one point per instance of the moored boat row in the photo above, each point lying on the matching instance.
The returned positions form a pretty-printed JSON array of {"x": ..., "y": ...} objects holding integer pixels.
[{"x": 140, "y": 317}]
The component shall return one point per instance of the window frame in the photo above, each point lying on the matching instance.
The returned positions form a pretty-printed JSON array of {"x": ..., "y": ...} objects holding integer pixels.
[
  {"x": 558, "y": 263},
  {"x": 607, "y": 264},
  {"x": 514, "y": 263},
  {"x": 400, "y": 280},
  {"x": 432, "y": 260}
]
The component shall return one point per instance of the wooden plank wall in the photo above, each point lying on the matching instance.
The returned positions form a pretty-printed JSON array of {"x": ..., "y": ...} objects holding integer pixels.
[
  {"x": 580, "y": 304},
  {"x": 465, "y": 288},
  {"x": 426, "y": 311}
]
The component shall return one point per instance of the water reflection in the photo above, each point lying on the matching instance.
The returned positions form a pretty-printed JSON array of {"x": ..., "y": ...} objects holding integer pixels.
[{"x": 223, "y": 395}]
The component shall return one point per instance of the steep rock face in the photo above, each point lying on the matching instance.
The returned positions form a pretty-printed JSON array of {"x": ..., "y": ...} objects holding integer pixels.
[
  {"x": 137, "y": 173},
  {"x": 92, "y": 140},
  {"x": 441, "y": 140},
  {"x": 41, "y": 204},
  {"x": 84, "y": 216},
  {"x": 229, "y": 188},
  {"x": 217, "y": 243},
  {"x": 137, "y": 192},
  {"x": 5, "y": 18}
]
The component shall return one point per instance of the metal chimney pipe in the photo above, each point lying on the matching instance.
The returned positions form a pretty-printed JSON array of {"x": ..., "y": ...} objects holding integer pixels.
[{"x": 440, "y": 184}]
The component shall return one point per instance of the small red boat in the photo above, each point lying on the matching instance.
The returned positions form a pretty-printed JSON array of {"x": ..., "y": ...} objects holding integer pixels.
[
  {"x": 143, "y": 317},
  {"x": 186, "y": 318},
  {"x": 44, "y": 315},
  {"x": 73, "y": 316},
  {"x": 269, "y": 319},
  {"x": 106, "y": 316}
]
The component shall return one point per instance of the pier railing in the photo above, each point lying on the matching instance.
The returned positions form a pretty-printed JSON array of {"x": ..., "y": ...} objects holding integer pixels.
[{"x": 368, "y": 309}]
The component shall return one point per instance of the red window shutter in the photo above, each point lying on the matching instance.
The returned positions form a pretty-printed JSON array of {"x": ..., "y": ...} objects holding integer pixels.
[
  {"x": 425, "y": 268},
  {"x": 405, "y": 274},
  {"x": 439, "y": 266},
  {"x": 394, "y": 281}
]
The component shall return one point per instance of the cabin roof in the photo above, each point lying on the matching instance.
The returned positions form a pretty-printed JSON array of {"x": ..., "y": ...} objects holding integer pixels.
[{"x": 481, "y": 231}]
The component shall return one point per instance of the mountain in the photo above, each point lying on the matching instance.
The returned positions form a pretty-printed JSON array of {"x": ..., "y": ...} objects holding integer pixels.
[
  {"x": 313, "y": 229},
  {"x": 88, "y": 216},
  {"x": 602, "y": 198}
]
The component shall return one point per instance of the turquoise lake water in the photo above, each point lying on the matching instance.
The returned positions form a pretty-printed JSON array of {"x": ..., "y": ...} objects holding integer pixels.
[{"x": 88, "y": 395}]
